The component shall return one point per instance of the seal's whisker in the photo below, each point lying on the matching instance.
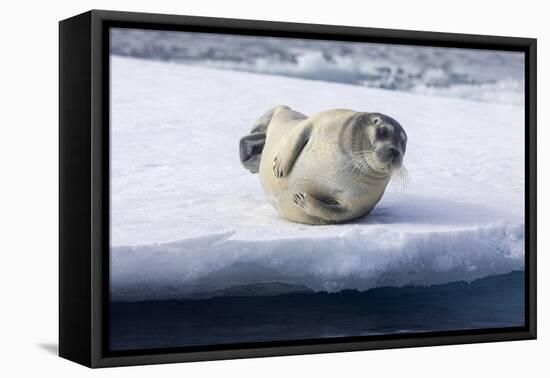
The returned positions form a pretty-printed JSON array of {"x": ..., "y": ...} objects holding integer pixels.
[
  {"x": 351, "y": 161},
  {"x": 357, "y": 161},
  {"x": 400, "y": 180},
  {"x": 370, "y": 157}
]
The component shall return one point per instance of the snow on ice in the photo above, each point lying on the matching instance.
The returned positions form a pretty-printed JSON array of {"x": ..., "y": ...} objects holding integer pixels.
[{"x": 187, "y": 218}]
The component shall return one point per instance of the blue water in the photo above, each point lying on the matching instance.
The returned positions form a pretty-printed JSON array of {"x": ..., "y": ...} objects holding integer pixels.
[{"x": 491, "y": 302}]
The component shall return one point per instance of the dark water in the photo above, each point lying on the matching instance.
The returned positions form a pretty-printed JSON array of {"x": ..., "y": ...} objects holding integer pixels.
[{"x": 491, "y": 302}]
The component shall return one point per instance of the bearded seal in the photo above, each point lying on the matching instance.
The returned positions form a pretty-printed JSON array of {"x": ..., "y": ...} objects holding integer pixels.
[{"x": 328, "y": 168}]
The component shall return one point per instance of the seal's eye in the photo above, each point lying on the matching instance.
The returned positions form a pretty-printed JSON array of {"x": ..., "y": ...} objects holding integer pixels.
[
  {"x": 376, "y": 121},
  {"x": 382, "y": 133}
]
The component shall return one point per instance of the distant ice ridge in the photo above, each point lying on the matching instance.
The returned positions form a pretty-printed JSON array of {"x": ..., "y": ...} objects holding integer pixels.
[
  {"x": 507, "y": 91},
  {"x": 359, "y": 258},
  {"x": 480, "y": 75},
  {"x": 441, "y": 81}
]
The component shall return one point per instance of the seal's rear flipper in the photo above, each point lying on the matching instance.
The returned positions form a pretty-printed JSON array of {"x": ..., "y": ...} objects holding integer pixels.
[
  {"x": 262, "y": 123},
  {"x": 252, "y": 145},
  {"x": 250, "y": 150},
  {"x": 327, "y": 211}
]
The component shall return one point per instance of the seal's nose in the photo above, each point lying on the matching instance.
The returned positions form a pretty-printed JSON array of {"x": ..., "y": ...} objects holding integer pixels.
[{"x": 395, "y": 155}]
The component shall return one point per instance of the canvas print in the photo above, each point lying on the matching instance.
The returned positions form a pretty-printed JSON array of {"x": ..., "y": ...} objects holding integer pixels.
[{"x": 269, "y": 189}]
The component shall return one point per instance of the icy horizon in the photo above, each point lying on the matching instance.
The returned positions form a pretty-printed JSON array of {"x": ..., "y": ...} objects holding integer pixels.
[{"x": 480, "y": 75}]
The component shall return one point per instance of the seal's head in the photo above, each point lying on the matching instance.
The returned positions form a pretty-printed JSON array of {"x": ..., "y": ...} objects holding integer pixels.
[{"x": 384, "y": 143}]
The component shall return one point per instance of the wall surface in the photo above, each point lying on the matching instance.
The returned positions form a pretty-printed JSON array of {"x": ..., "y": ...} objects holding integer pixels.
[{"x": 28, "y": 197}]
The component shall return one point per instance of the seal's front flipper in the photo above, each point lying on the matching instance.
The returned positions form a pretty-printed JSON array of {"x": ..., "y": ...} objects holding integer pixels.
[
  {"x": 327, "y": 210},
  {"x": 290, "y": 147},
  {"x": 250, "y": 150}
]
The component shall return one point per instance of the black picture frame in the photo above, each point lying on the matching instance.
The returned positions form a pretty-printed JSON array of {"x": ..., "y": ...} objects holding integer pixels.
[{"x": 84, "y": 187}]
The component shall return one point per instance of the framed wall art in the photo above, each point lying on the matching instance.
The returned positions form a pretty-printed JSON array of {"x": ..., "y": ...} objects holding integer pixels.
[{"x": 234, "y": 188}]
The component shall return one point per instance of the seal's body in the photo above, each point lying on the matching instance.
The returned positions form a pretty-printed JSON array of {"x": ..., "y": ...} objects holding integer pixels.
[{"x": 328, "y": 168}]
